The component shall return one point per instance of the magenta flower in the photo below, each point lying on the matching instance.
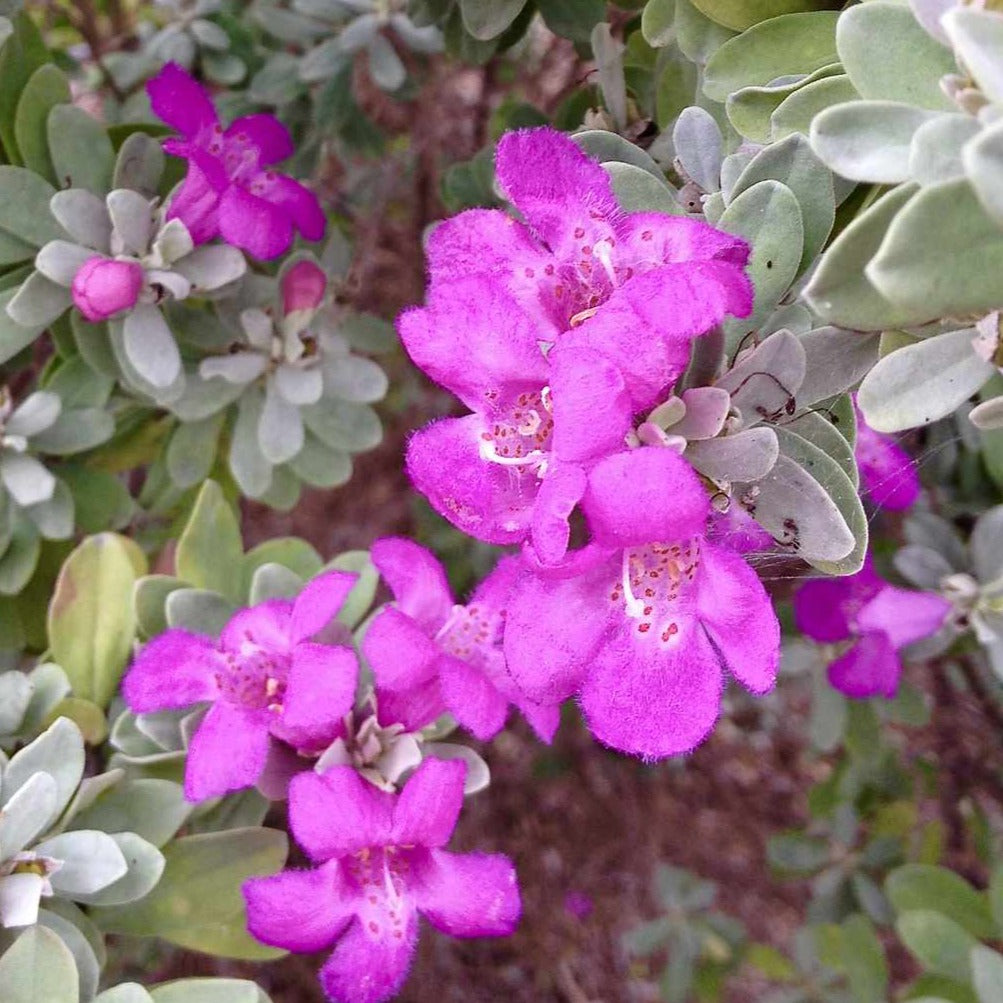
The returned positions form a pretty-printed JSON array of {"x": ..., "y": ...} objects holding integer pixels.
[
  {"x": 265, "y": 680},
  {"x": 104, "y": 287},
  {"x": 634, "y": 286},
  {"x": 887, "y": 472},
  {"x": 381, "y": 862},
  {"x": 228, "y": 190},
  {"x": 877, "y": 619},
  {"x": 647, "y": 616},
  {"x": 430, "y": 655},
  {"x": 303, "y": 288}
]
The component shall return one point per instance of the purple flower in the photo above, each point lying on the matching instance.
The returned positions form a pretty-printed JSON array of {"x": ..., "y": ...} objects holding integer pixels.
[
  {"x": 877, "y": 619},
  {"x": 380, "y": 862},
  {"x": 644, "y": 619},
  {"x": 430, "y": 655},
  {"x": 264, "y": 678},
  {"x": 104, "y": 287},
  {"x": 554, "y": 333},
  {"x": 303, "y": 288},
  {"x": 228, "y": 190},
  {"x": 887, "y": 472}
]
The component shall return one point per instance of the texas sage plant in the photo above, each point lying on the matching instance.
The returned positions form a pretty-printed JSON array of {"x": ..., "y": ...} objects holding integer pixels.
[{"x": 666, "y": 339}]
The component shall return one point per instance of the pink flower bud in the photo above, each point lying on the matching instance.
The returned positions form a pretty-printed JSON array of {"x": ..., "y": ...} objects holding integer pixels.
[
  {"x": 303, "y": 287},
  {"x": 103, "y": 287}
]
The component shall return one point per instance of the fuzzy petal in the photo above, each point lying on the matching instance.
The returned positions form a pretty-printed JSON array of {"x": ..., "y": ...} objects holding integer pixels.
[
  {"x": 414, "y": 708},
  {"x": 560, "y": 491},
  {"x": 303, "y": 911},
  {"x": 227, "y": 752},
  {"x": 826, "y": 609},
  {"x": 735, "y": 609},
  {"x": 266, "y": 134},
  {"x": 472, "y": 698},
  {"x": 320, "y": 691},
  {"x": 887, "y": 473},
  {"x": 265, "y": 625},
  {"x": 318, "y": 603},
  {"x": 416, "y": 579},
  {"x": 650, "y": 699},
  {"x": 176, "y": 669},
  {"x": 367, "y": 967},
  {"x": 196, "y": 204},
  {"x": 904, "y": 615},
  {"x": 253, "y": 224},
  {"x": 869, "y": 669},
  {"x": 627, "y": 494},
  {"x": 400, "y": 652},
  {"x": 468, "y": 895},
  {"x": 338, "y": 813},
  {"x": 458, "y": 341},
  {"x": 180, "y": 101},
  {"x": 426, "y": 810},
  {"x": 298, "y": 203},
  {"x": 486, "y": 500},
  {"x": 544, "y": 719},
  {"x": 648, "y": 239},
  {"x": 552, "y": 631}
]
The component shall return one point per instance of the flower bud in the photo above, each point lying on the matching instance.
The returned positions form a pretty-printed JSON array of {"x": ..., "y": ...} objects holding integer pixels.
[
  {"x": 303, "y": 287},
  {"x": 103, "y": 287}
]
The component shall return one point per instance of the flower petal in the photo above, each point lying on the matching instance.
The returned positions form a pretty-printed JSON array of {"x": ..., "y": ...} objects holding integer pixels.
[
  {"x": 458, "y": 341},
  {"x": 416, "y": 579},
  {"x": 426, "y": 810},
  {"x": 904, "y": 615},
  {"x": 338, "y": 813},
  {"x": 413, "y": 708},
  {"x": 253, "y": 224},
  {"x": 297, "y": 202},
  {"x": 869, "y": 669},
  {"x": 320, "y": 692},
  {"x": 266, "y": 134},
  {"x": 196, "y": 204},
  {"x": 400, "y": 652},
  {"x": 469, "y": 894},
  {"x": 265, "y": 625},
  {"x": 301, "y": 911},
  {"x": 625, "y": 501},
  {"x": 825, "y": 609},
  {"x": 472, "y": 698},
  {"x": 318, "y": 603},
  {"x": 887, "y": 472},
  {"x": 735, "y": 609},
  {"x": 651, "y": 239},
  {"x": 486, "y": 500},
  {"x": 367, "y": 967},
  {"x": 180, "y": 101},
  {"x": 227, "y": 752},
  {"x": 560, "y": 492},
  {"x": 653, "y": 699},
  {"x": 176, "y": 669}
]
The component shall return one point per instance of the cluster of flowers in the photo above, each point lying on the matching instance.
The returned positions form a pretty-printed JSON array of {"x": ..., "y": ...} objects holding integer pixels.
[{"x": 228, "y": 192}]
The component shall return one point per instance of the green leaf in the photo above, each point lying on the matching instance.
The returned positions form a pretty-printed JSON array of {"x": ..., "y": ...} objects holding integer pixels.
[
  {"x": 750, "y": 110},
  {"x": 149, "y": 599},
  {"x": 81, "y": 152},
  {"x": 358, "y": 601},
  {"x": 919, "y": 886},
  {"x": 606, "y": 146},
  {"x": 572, "y": 19},
  {"x": 152, "y": 809},
  {"x": 21, "y": 56},
  {"x": 91, "y": 622},
  {"x": 210, "y": 551},
  {"x": 38, "y": 968},
  {"x": 920, "y": 383},
  {"x": 983, "y": 159},
  {"x": 987, "y": 972},
  {"x": 198, "y": 610},
  {"x": 487, "y": 19},
  {"x": 779, "y": 47},
  {"x": 657, "y": 21},
  {"x": 637, "y": 191},
  {"x": 792, "y": 162},
  {"x": 208, "y": 991},
  {"x": 24, "y": 206},
  {"x": 796, "y": 113},
  {"x": 938, "y": 942},
  {"x": 864, "y": 960},
  {"x": 198, "y": 902},
  {"x": 889, "y": 57},
  {"x": 840, "y": 291},
  {"x": 192, "y": 450},
  {"x": 126, "y": 992},
  {"x": 797, "y": 853},
  {"x": 46, "y": 88}
]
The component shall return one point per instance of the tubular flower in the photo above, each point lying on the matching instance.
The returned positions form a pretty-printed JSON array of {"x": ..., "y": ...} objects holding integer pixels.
[
  {"x": 229, "y": 190},
  {"x": 877, "y": 619},
  {"x": 644, "y": 620},
  {"x": 380, "y": 862},
  {"x": 265, "y": 680},
  {"x": 430, "y": 655}
]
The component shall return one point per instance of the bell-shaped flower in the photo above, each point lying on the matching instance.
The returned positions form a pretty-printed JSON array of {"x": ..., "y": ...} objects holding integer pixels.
[
  {"x": 888, "y": 473},
  {"x": 644, "y": 620},
  {"x": 872, "y": 621},
  {"x": 264, "y": 678},
  {"x": 229, "y": 190},
  {"x": 430, "y": 655},
  {"x": 104, "y": 287},
  {"x": 380, "y": 862},
  {"x": 637, "y": 287}
]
